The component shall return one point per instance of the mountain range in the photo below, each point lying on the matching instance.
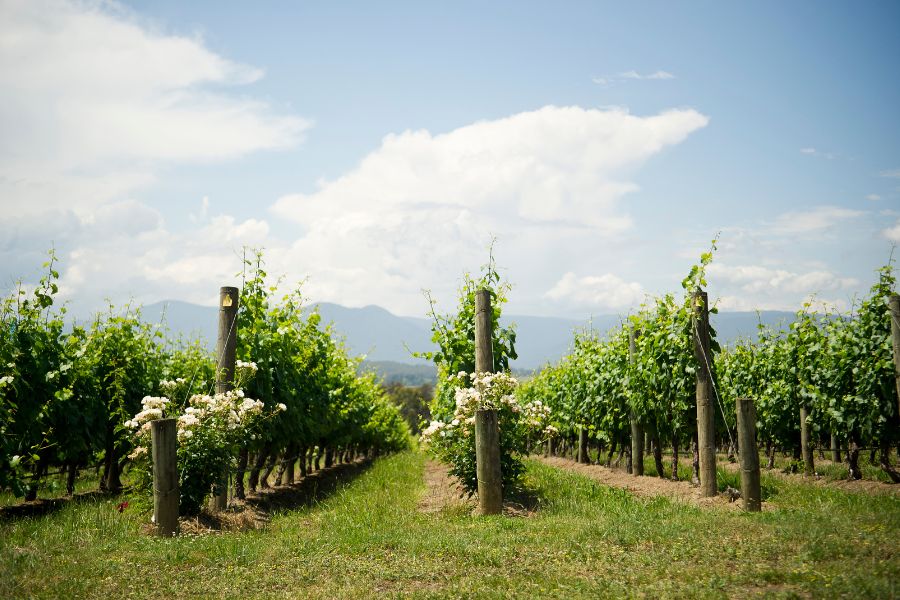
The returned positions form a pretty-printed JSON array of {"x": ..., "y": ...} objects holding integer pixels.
[{"x": 387, "y": 340}]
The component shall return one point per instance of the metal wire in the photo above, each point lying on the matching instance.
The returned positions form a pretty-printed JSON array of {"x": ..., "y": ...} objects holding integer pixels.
[{"x": 714, "y": 387}]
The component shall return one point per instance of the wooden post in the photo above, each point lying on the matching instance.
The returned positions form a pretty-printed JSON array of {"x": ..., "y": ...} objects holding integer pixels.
[
  {"x": 484, "y": 347},
  {"x": 487, "y": 432},
  {"x": 583, "y": 456},
  {"x": 226, "y": 343},
  {"x": 749, "y": 454},
  {"x": 835, "y": 450},
  {"x": 165, "y": 476},
  {"x": 226, "y": 349},
  {"x": 637, "y": 429},
  {"x": 487, "y": 453},
  {"x": 809, "y": 467},
  {"x": 894, "y": 309},
  {"x": 706, "y": 416}
]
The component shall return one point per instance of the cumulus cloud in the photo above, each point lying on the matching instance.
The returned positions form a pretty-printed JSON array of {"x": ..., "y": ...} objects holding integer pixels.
[
  {"x": 610, "y": 79},
  {"x": 152, "y": 262},
  {"x": 893, "y": 233},
  {"x": 815, "y": 220},
  {"x": 753, "y": 279},
  {"x": 95, "y": 101},
  {"x": 604, "y": 292},
  {"x": 654, "y": 75},
  {"x": 421, "y": 204},
  {"x": 813, "y": 152}
]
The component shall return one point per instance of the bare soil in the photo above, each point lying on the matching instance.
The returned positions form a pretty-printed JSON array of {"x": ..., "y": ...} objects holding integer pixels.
[
  {"x": 443, "y": 492},
  {"x": 644, "y": 486}
]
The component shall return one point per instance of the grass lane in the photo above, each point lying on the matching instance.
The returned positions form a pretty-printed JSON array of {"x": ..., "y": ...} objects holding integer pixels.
[{"x": 368, "y": 539}]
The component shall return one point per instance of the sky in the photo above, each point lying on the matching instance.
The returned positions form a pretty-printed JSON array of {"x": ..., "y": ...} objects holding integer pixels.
[{"x": 374, "y": 150}]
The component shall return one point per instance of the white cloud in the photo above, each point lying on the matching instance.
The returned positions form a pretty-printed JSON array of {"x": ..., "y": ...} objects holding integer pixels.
[
  {"x": 814, "y": 220},
  {"x": 809, "y": 151},
  {"x": 892, "y": 173},
  {"x": 606, "y": 292},
  {"x": 756, "y": 280},
  {"x": 749, "y": 304},
  {"x": 95, "y": 101},
  {"x": 421, "y": 205},
  {"x": 153, "y": 262},
  {"x": 607, "y": 80},
  {"x": 654, "y": 75},
  {"x": 893, "y": 233},
  {"x": 873, "y": 197}
]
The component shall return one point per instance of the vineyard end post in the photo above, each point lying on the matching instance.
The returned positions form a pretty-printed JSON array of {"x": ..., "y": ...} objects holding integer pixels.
[
  {"x": 749, "y": 454},
  {"x": 706, "y": 416},
  {"x": 487, "y": 432},
  {"x": 637, "y": 429},
  {"x": 894, "y": 306},
  {"x": 165, "y": 476},
  {"x": 583, "y": 456},
  {"x": 226, "y": 351},
  {"x": 806, "y": 451}
]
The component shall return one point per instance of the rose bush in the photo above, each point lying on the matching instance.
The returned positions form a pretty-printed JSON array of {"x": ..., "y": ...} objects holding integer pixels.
[
  {"x": 209, "y": 428},
  {"x": 453, "y": 441}
]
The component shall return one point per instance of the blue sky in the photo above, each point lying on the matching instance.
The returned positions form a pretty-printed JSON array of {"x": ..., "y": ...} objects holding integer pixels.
[{"x": 374, "y": 148}]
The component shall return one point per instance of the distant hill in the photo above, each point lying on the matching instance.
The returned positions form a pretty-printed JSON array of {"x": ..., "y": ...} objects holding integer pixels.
[
  {"x": 398, "y": 372},
  {"x": 386, "y": 339}
]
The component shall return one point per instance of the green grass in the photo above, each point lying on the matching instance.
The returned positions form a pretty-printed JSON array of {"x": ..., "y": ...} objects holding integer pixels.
[
  {"x": 55, "y": 487},
  {"x": 369, "y": 540}
]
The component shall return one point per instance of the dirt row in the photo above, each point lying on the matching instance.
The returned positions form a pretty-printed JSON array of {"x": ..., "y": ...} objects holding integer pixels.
[
  {"x": 642, "y": 486},
  {"x": 444, "y": 492},
  {"x": 867, "y": 486}
]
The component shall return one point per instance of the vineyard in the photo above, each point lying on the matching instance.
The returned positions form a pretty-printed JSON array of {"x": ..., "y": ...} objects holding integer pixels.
[
  {"x": 314, "y": 484},
  {"x": 828, "y": 382},
  {"x": 84, "y": 398}
]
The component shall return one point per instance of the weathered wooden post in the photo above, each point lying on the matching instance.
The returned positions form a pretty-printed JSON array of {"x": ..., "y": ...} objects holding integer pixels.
[
  {"x": 809, "y": 467},
  {"x": 751, "y": 491},
  {"x": 706, "y": 416},
  {"x": 894, "y": 309},
  {"x": 163, "y": 438},
  {"x": 583, "y": 456},
  {"x": 637, "y": 429},
  {"x": 835, "y": 449},
  {"x": 487, "y": 432},
  {"x": 226, "y": 350}
]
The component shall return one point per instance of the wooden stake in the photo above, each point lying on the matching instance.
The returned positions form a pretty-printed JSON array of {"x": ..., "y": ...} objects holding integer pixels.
[
  {"x": 165, "y": 476},
  {"x": 894, "y": 309},
  {"x": 706, "y": 416},
  {"x": 637, "y": 429},
  {"x": 583, "y": 456},
  {"x": 487, "y": 432},
  {"x": 226, "y": 349},
  {"x": 749, "y": 454},
  {"x": 809, "y": 467},
  {"x": 487, "y": 459},
  {"x": 484, "y": 347}
]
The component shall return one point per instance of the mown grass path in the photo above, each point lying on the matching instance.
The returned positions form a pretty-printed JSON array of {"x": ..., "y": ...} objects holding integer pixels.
[{"x": 370, "y": 539}]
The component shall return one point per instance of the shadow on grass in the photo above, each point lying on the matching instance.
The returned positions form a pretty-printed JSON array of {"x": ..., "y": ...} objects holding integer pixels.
[
  {"x": 523, "y": 500},
  {"x": 309, "y": 491},
  {"x": 726, "y": 479},
  {"x": 257, "y": 509},
  {"x": 46, "y": 506}
]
